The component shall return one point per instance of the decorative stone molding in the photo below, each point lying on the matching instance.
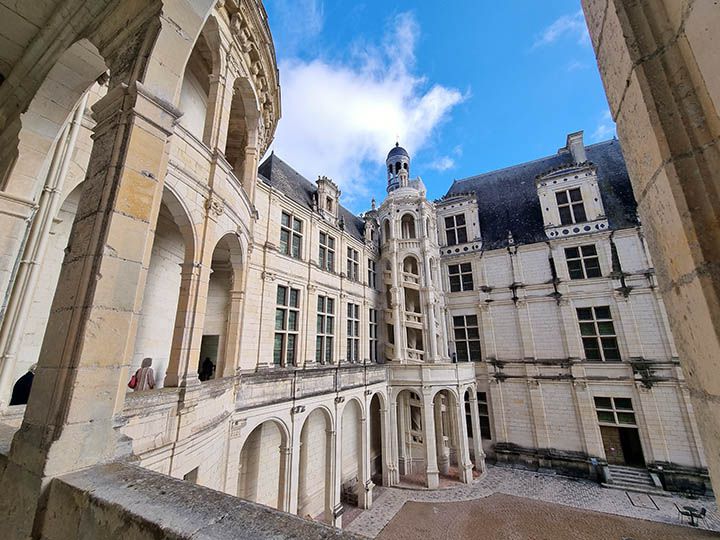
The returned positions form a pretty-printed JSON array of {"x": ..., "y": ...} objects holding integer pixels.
[{"x": 214, "y": 206}]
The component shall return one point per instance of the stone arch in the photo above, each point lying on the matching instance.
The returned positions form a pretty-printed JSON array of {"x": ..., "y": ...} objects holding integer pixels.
[
  {"x": 242, "y": 128},
  {"x": 410, "y": 432},
  {"x": 263, "y": 464},
  {"x": 411, "y": 265},
  {"x": 315, "y": 486},
  {"x": 408, "y": 226},
  {"x": 221, "y": 331},
  {"x": 448, "y": 433},
  {"x": 172, "y": 250},
  {"x": 195, "y": 90},
  {"x": 351, "y": 451},
  {"x": 377, "y": 440}
]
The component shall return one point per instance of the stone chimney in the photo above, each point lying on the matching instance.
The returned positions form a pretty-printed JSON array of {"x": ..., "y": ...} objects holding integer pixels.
[{"x": 576, "y": 147}]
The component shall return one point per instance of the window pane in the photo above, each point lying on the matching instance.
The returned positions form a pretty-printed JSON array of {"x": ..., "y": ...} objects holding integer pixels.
[
  {"x": 331, "y": 242},
  {"x": 471, "y": 320},
  {"x": 460, "y": 333},
  {"x": 485, "y": 428},
  {"x": 579, "y": 211},
  {"x": 467, "y": 281},
  {"x": 318, "y": 349},
  {"x": 626, "y": 418},
  {"x": 571, "y": 253},
  {"x": 584, "y": 314},
  {"x": 458, "y": 320},
  {"x": 610, "y": 348},
  {"x": 473, "y": 333},
  {"x": 575, "y": 195},
  {"x": 575, "y": 269},
  {"x": 565, "y": 216},
  {"x": 285, "y": 219},
  {"x": 290, "y": 355},
  {"x": 453, "y": 269},
  {"x": 292, "y": 320},
  {"x": 602, "y": 312},
  {"x": 454, "y": 283},
  {"x": 462, "y": 235},
  {"x": 462, "y": 354},
  {"x": 330, "y": 325},
  {"x": 330, "y": 305},
  {"x": 294, "y": 294},
  {"x": 606, "y": 328},
  {"x": 321, "y": 303},
  {"x": 449, "y": 222},
  {"x": 466, "y": 267},
  {"x": 451, "y": 239},
  {"x": 281, "y": 295},
  {"x": 296, "y": 247},
  {"x": 475, "y": 351},
  {"x": 603, "y": 403},
  {"x": 460, "y": 219},
  {"x": 592, "y": 351},
  {"x": 284, "y": 241},
  {"x": 561, "y": 197},
  {"x": 279, "y": 319},
  {"x": 623, "y": 403},
  {"x": 277, "y": 350},
  {"x": 328, "y": 349},
  {"x": 587, "y": 329},
  {"x": 297, "y": 225},
  {"x": 606, "y": 416},
  {"x": 592, "y": 267},
  {"x": 589, "y": 251}
]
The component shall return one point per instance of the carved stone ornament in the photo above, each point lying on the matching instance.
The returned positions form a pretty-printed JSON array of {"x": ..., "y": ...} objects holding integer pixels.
[{"x": 214, "y": 206}]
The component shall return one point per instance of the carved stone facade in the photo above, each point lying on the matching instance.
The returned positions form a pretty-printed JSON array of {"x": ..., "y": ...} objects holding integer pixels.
[{"x": 302, "y": 354}]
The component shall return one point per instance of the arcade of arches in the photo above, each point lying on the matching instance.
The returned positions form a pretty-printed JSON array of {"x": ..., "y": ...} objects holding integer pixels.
[{"x": 137, "y": 225}]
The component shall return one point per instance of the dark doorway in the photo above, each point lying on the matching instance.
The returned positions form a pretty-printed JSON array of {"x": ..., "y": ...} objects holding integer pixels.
[
  {"x": 208, "y": 351},
  {"x": 622, "y": 446}
]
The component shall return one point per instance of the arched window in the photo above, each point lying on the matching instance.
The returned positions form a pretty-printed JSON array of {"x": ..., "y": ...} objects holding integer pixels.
[
  {"x": 386, "y": 228},
  {"x": 407, "y": 225},
  {"x": 195, "y": 91}
]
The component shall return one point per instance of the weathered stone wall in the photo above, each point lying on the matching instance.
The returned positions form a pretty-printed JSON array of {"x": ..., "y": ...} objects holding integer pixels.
[{"x": 660, "y": 74}]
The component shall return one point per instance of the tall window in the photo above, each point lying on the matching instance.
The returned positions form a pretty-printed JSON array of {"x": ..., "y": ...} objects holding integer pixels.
[
  {"x": 615, "y": 410},
  {"x": 325, "y": 329},
  {"x": 583, "y": 262},
  {"x": 373, "y": 334},
  {"x": 598, "y": 334},
  {"x": 455, "y": 230},
  {"x": 353, "y": 333},
  {"x": 484, "y": 416},
  {"x": 291, "y": 234},
  {"x": 467, "y": 338},
  {"x": 353, "y": 264},
  {"x": 461, "y": 278},
  {"x": 372, "y": 274},
  {"x": 570, "y": 206},
  {"x": 326, "y": 258},
  {"x": 287, "y": 314}
]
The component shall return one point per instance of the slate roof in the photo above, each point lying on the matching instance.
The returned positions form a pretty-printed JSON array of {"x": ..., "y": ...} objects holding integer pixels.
[
  {"x": 278, "y": 174},
  {"x": 397, "y": 150},
  {"x": 507, "y": 198}
]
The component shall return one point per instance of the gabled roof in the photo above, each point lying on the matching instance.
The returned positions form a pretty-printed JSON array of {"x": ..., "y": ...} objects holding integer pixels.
[
  {"x": 281, "y": 176},
  {"x": 508, "y": 201}
]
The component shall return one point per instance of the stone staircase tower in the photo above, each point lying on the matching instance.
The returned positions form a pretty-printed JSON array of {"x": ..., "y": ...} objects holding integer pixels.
[{"x": 413, "y": 300}]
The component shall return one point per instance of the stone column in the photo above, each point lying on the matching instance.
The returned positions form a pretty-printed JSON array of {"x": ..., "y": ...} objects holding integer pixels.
[
  {"x": 286, "y": 461},
  {"x": 443, "y": 452},
  {"x": 80, "y": 382},
  {"x": 465, "y": 466},
  {"x": 333, "y": 476},
  {"x": 478, "y": 452},
  {"x": 234, "y": 329},
  {"x": 185, "y": 352},
  {"x": 249, "y": 178},
  {"x": 660, "y": 71},
  {"x": 431, "y": 466},
  {"x": 391, "y": 476},
  {"x": 293, "y": 485},
  {"x": 365, "y": 484}
]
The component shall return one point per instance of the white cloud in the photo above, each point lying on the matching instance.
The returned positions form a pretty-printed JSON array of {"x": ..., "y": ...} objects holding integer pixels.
[
  {"x": 339, "y": 117},
  {"x": 442, "y": 164},
  {"x": 605, "y": 129},
  {"x": 300, "y": 20},
  {"x": 572, "y": 25}
]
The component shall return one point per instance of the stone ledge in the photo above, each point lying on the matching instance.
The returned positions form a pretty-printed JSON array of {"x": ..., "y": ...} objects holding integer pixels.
[{"x": 124, "y": 501}]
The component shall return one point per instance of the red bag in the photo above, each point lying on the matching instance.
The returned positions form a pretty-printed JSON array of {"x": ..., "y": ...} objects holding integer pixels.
[{"x": 133, "y": 381}]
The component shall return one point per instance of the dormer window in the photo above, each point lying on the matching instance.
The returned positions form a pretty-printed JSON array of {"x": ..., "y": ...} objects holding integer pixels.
[
  {"x": 570, "y": 206},
  {"x": 329, "y": 204},
  {"x": 455, "y": 230}
]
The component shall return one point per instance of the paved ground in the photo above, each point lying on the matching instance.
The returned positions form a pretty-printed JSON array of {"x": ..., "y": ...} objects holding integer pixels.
[{"x": 511, "y": 503}]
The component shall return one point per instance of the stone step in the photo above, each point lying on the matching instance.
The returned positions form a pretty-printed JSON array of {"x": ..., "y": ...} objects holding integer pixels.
[{"x": 638, "y": 489}]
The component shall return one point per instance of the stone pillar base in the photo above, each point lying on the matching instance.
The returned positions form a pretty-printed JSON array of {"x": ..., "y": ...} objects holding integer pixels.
[{"x": 433, "y": 479}]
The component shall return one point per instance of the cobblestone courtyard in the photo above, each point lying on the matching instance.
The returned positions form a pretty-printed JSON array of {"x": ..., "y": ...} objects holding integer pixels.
[{"x": 511, "y": 503}]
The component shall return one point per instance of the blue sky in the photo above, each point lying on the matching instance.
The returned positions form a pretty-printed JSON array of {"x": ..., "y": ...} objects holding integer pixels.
[{"x": 466, "y": 86}]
